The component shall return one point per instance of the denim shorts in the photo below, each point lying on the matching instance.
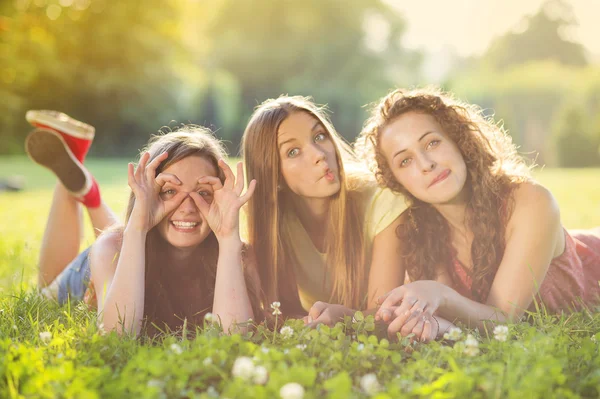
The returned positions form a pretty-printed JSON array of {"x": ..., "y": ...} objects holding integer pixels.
[{"x": 73, "y": 281}]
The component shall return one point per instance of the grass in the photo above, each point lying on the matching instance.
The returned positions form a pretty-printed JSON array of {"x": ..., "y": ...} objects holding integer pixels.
[{"x": 548, "y": 357}]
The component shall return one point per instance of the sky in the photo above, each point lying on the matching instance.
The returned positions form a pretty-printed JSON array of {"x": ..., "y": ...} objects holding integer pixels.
[{"x": 468, "y": 26}]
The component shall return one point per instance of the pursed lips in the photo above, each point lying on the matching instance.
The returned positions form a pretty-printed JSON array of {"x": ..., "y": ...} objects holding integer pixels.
[{"x": 440, "y": 177}]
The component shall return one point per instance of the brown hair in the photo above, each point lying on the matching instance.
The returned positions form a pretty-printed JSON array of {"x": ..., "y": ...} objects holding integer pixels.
[
  {"x": 175, "y": 293},
  {"x": 266, "y": 209},
  {"x": 493, "y": 166}
]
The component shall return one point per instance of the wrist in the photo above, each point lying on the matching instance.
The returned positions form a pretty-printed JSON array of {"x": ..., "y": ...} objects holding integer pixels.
[
  {"x": 230, "y": 242},
  {"x": 132, "y": 230}
]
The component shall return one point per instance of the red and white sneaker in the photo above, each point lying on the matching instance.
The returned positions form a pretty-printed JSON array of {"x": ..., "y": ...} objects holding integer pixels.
[
  {"x": 76, "y": 134},
  {"x": 49, "y": 149}
]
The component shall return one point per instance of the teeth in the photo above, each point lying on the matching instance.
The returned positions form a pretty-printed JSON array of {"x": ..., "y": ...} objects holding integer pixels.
[{"x": 185, "y": 224}]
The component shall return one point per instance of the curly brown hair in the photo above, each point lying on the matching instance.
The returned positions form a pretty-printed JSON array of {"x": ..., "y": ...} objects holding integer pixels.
[{"x": 493, "y": 169}]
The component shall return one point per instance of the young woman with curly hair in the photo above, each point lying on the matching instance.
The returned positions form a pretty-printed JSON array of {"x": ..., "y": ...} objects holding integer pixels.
[
  {"x": 480, "y": 239},
  {"x": 177, "y": 256},
  {"x": 317, "y": 220}
]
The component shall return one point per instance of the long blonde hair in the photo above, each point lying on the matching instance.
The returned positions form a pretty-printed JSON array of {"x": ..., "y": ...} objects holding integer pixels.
[{"x": 266, "y": 209}]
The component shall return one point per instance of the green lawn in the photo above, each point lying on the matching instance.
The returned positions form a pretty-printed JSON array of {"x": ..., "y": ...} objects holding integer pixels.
[{"x": 550, "y": 357}]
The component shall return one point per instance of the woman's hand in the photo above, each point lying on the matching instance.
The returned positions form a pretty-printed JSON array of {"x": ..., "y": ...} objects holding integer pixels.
[
  {"x": 150, "y": 208},
  {"x": 410, "y": 301},
  {"x": 425, "y": 328},
  {"x": 326, "y": 313},
  {"x": 222, "y": 214}
]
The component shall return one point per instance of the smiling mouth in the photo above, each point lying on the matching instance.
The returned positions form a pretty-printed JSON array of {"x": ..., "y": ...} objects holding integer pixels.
[
  {"x": 185, "y": 226},
  {"x": 442, "y": 176}
]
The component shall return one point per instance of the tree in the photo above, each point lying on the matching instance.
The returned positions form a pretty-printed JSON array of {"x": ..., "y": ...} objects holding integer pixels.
[{"x": 543, "y": 39}]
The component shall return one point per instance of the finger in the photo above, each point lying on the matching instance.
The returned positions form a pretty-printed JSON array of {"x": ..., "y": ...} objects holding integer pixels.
[
  {"x": 418, "y": 329},
  {"x": 174, "y": 202},
  {"x": 409, "y": 326},
  {"x": 392, "y": 298},
  {"x": 141, "y": 166},
  {"x": 404, "y": 311},
  {"x": 316, "y": 309},
  {"x": 415, "y": 311},
  {"x": 215, "y": 182},
  {"x": 229, "y": 177},
  {"x": 152, "y": 166},
  {"x": 163, "y": 178},
  {"x": 239, "y": 182},
  {"x": 394, "y": 328},
  {"x": 323, "y": 319},
  {"x": 248, "y": 194},
  {"x": 305, "y": 320},
  {"x": 131, "y": 178},
  {"x": 201, "y": 203},
  {"x": 428, "y": 332}
]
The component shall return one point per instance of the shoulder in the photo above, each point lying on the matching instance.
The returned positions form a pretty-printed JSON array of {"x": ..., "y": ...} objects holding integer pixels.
[
  {"x": 532, "y": 195},
  {"x": 533, "y": 203}
]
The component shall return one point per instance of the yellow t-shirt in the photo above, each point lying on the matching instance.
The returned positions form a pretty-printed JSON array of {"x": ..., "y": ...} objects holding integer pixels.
[{"x": 382, "y": 207}]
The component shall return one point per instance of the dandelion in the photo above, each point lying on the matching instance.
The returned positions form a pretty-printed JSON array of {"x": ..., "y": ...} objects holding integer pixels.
[
  {"x": 275, "y": 306},
  {"x": 210, "y": 318},
  {"x": 175, "y": 348},
  {"x": 45, "y": 336},
  {"x": 243, "y": 367},
  {"x": 286, "y": 332},
  {"x": 260, "y": 375},
  {"x": 292, "y": 390},
  {"x": 207, "y": 362},
  {"x": 453, "y": 334},
  {"x": 369, "y": 384},
  {"x": 501, "y": 333},
  {"x": 471, "y": 346}
]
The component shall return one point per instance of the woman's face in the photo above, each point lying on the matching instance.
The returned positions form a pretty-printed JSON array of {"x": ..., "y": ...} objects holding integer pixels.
[
  {"x": 308, "y": 159},
  {"x": 424, "y": 159},
  {"x": 185, "y": 227}
]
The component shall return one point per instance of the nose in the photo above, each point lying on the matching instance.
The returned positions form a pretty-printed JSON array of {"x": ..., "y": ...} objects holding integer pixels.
[
  {"x": 426, "y": 163},
  {"x": 187, "y": 205},
  {"x": 318, "y": 155}
]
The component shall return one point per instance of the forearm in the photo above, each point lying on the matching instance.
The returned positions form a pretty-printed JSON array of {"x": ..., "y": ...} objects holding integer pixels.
[
  {"x": 231, "y": 301},
  {"x": 124, "y": 301},
  {"x": 472, "y": 313}
]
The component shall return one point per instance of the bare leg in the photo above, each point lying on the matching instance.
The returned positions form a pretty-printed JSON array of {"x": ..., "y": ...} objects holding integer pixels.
[
  {"x": 62, "y": 237},
  {"x": 102, "y": 218}
]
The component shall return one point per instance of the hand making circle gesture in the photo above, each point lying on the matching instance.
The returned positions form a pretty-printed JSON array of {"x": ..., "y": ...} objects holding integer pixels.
[
  {"x": 150, "y": 208},
  {"x": 222, "y": 214}
]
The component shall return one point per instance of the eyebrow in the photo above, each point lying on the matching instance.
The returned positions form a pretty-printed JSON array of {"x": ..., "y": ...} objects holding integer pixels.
[
  {"x": 315, "y": 126},
  {"x": 420, "y": 138}
]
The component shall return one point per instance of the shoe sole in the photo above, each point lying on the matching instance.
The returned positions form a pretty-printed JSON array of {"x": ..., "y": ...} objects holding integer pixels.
[
  {"x": 49, "y": 150},
  {"x": 61, "y": 122}
]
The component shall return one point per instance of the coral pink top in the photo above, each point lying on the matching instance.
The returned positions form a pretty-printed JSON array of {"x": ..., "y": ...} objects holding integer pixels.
[{"x": 572, "y": 277}]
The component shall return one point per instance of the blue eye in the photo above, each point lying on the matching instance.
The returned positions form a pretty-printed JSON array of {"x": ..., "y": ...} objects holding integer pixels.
[{"x": 320, "y": 137}]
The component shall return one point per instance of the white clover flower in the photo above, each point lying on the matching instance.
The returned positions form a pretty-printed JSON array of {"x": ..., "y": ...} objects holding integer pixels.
[
  {"x": 45, "y": 336},
  {"x": 275, "y": 306},
  {"x": 369, "y": 384},
  {"x": 210, "y": 318},
  {"x": 453, "y": 334},
  {"x": 207, "y": 362},
  {"x": 260, "y": 376},
  {"x": 286, "y": 332},
  {"x": 593, "y": 338},
  {"x": 264, "y": 350},
  {"x": 175, "y": 348},
  {"x": 156, "y": 384},
  {"x": 243, "y": 367},
  {"x": 360, "y": 347},
  {"x": 501, "y": 333},
  {"x": 15, "y": 327},
  {"x": 212, "y": 392},
  {"x": 471, "y": 346},
  {"x": 292, "y": 390},
  {"x": 301, "y": 346}
]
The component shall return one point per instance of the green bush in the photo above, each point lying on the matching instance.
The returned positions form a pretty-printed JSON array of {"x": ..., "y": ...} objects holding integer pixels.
[{"x": 576, "y": 146}]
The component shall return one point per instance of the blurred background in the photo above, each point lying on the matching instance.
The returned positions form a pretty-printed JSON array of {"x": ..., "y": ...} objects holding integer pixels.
[{"x": 130, "y": 67}]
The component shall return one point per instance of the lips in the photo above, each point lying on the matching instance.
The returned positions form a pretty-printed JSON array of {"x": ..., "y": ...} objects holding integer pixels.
[
  {"x": 329, "y": 176},
  {"x": 440, "y": 177}
]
